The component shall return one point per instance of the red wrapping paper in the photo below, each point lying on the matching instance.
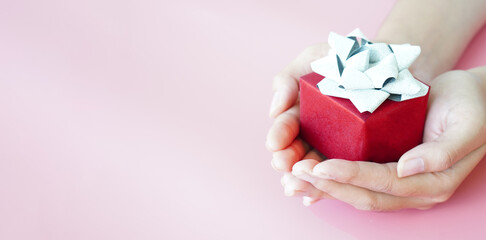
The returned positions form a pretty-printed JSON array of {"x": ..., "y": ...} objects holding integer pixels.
[{"x": 338, "y": 130}]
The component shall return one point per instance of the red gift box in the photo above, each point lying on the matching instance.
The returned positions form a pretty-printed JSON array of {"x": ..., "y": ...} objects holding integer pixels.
[{"x": 337, "y": 129}]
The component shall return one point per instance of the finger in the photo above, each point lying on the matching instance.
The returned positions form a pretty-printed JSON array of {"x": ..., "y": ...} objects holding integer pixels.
[
  {"x": 307, "y": 201},
  {"x": 311, "y": 159},
  {"x": 364, "y": 199},
  {"x": 361, "y": 198},
  {"x": 378, "y": 178},
  {"x": 283, "y": 160},
  {"x": 306, "y": 165},
  {"x": 299, "y": 170},
  {"x": 296, "y": 187},
  {"x": 285, "y": 178},
  {"x": 285, "y": 94},
  {"x": 286, "y": 83},
  {"x": 284, "y": 130},
  {"x": 431, "y": 187}
]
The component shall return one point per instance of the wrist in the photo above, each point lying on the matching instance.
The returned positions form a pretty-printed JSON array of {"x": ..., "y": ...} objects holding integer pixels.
[
  {"x": 441, "y": 30},
  {"x": 426, "y": 67}
]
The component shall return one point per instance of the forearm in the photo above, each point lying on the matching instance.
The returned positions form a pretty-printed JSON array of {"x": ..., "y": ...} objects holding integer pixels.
[{"x": 442, "y": 29}]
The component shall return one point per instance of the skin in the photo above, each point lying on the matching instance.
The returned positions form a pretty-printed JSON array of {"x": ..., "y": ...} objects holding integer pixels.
[{"x": 455, "y": 129}]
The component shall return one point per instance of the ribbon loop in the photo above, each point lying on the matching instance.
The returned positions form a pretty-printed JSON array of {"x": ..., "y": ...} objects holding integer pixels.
[{"x": 368, "y": 73}]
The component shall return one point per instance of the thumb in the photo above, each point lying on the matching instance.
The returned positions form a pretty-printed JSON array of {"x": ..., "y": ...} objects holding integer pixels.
[
  {"x": 286, "y": 83},
  {"x": 438, "y": 155}
]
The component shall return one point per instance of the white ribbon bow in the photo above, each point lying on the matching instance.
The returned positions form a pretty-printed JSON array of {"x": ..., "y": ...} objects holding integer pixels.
[{"x": 368, "y": 73}]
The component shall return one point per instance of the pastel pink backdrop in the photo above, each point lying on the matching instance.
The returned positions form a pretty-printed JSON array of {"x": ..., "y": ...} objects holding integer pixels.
[{"x": 147, "y": 120}]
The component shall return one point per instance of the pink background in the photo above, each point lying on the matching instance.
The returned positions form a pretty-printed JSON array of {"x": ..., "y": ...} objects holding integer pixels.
[{"x": 147, "y": 120}]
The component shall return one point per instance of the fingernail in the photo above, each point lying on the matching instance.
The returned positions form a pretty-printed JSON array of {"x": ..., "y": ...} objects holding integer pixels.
[
  {"x": 285, "y": 179},
  {"x": 411, "y": 167},
  {"x": 273, "y": 165},
  {"x": 278, "y": 163},
  {"x": 275, "y": 102},
  {"x": 289, "y": 191},
  {"x": 307, "y": 201},
  {"x": 269, "y": 145}
]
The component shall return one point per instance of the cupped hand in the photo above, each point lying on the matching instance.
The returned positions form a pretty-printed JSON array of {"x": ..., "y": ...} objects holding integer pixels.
[
  {"x": 454, "y": 142},
  {"x": 282, "y": 138}
]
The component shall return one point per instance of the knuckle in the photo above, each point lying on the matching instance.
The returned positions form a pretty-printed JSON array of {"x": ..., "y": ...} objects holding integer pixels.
[
  {"x": 348, "y": 172},
  {"x": 443, "y": 197},
  {"x": 299, "y": 148},
  {"x": 426, "y": 207},
  {"x": 294, "y": 151},
  {"x": 398, "y": 187},
  {"x": 407, "y": 191},
  {"x": 388, "y": 180},
  {"x": 446, "y": 187},
  {"x": 367, "y": 203},
  {"x": 288, "y": 129},
  {"x": 387, "y": 186},
  {"x": 351, "y": 173},
  {"x": 446, "y": 158},
  {"x": 294, "y": 113},
  {"x": 390, "y": 184}
]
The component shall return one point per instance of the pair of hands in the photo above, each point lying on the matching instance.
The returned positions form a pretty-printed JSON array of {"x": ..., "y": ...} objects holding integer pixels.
[{"x": 454, "y": 143}]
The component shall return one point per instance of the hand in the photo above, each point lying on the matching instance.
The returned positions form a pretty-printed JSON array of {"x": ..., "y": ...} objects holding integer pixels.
[
  {"x": 454, "y": 142},
  {"x": 453, "y": 145},
  {"x": 282, "y": 137}
]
